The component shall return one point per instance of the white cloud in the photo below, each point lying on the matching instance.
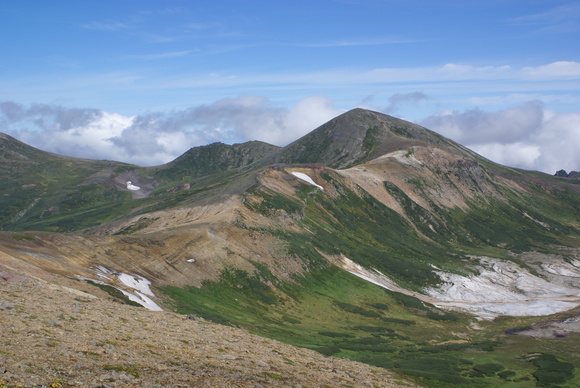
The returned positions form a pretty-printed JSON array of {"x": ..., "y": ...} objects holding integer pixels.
[
  {"x": 126, "y": 91},
  {"x": 455, "y": 71},
  {"x": 171, "y": 54},
  {"x": 447, "y": 72},
  {"x": 307, "y": 115},
  {"x": 561, "y": 69},
  {"x": 156, "y": 138},
  {"x": 361, "y": 42},
  {"x": 476, "y": 126},
  {"x": 511, "y": 154},
  {"x": 560, "y": 141},
  {"x": 528, "y": 136}
]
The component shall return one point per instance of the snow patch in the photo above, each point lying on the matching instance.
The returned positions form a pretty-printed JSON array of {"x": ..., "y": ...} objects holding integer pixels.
[
  {"x": 137, "y": 282},
  {"x": 142, "y": 289},
  {"x": 307, "y": 179},
  {"x": 500, "y": 288},
  {"x": 140, "y": 285},
  {"x": 143, "y": 300},
  {"x": 572, "y": 270},
  {"x": 376, "y": 277},
  {"x": 132, "y": 187}
]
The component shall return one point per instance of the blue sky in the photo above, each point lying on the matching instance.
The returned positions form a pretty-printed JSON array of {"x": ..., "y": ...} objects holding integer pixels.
[{"x": 143, "y": 81}]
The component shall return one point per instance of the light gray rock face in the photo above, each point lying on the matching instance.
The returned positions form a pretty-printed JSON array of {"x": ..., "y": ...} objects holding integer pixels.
[{"x": 506, "y": 288}]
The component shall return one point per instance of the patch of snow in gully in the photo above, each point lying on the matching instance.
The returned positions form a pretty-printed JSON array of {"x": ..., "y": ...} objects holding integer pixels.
[
  {"x": 138, "y": 283},
  {"x": 132, "y": 187},
  {"x": 572, "y": 270},
  {"x": 307, "y": 179},
  {"x": 142, "y": 287},
  {"x": 143, "y": 300}
]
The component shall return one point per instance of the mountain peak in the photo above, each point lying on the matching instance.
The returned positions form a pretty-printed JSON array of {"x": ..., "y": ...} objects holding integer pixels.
[
  {"x": 357, "y": 136},
  {"x": 215, "y": 158}
]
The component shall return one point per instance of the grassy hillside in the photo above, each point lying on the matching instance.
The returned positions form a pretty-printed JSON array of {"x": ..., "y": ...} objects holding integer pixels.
[
  {"x": 336, "y": 313},
  {"x": 47, "y": 192},
  {"x": 37, "y": 186}
]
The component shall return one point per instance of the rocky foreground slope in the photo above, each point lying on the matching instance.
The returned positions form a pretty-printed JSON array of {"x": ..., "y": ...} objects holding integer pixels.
[{"x": 57, "y": 333}]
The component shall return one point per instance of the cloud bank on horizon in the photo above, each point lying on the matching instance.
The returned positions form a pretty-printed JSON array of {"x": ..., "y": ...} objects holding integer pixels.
[{"x": 498, "y": 77}]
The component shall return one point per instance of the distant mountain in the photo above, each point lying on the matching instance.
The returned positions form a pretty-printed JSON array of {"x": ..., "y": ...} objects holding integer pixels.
[
  {"x": 359, "y": 136},
  {"x": 36, "y": 183},
  {"x": 370, "y": 238},
  {"x": 564, "y": 174},
  {"x": 215, "y": 158}
]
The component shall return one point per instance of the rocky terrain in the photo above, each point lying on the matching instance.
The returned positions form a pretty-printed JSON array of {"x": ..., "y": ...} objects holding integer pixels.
[{"x": 56, "y": 335}]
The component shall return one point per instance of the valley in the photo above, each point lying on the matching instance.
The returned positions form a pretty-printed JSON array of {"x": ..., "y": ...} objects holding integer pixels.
[{"x": 370, "y": 239}]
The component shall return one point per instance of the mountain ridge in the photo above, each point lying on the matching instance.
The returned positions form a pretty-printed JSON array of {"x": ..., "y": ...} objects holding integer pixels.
[
  {"x": 358, "y": 136},
  {"x": 370, "y": 238}
]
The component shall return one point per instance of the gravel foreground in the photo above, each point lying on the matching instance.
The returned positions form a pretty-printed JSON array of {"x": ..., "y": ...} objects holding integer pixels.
[{"x": 57, "y": 336}]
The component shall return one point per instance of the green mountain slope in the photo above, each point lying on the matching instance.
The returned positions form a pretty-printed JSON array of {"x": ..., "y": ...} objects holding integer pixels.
[
  {"x": 358, "y": 136},
  {"x": 43, "y": 191},
  {"x": 409, "y": 252},
  {"x": 214, "y": 158},
  {"x": 38, "y": 185},
  {"x": 330, "y": 310}
]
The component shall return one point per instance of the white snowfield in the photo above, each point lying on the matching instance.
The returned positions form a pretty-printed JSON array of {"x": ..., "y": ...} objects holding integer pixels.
[
  {"x": 307, "y": 179},
  {"x": 140, "y": 285},
  {"x": 142, "y": 288},
  {"x": 500, "y": 288},
  {"x": 132, "y": 187}
]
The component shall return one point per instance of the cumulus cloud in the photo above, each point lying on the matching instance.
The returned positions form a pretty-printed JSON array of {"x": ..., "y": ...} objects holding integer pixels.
[
  {"x": 511, "y": 154},
  {"x": 159, "y": 137},
  {"x": 476, "y": 126},
  {"x": 527, "y": 136},
  {"x": 66, "y": 131}
]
